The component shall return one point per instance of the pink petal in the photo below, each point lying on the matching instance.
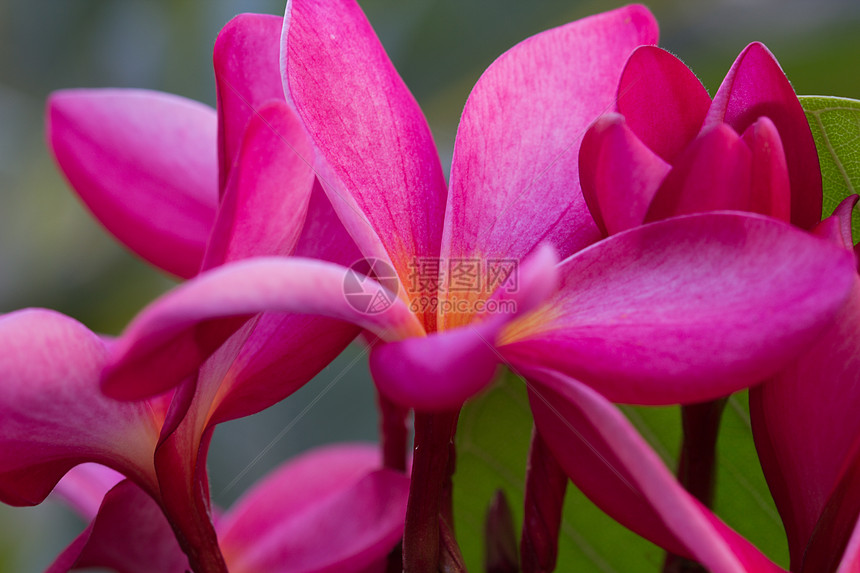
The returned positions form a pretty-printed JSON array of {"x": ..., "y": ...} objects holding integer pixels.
[
  {"x": 266, "y": 199},
  {"x": 663, "y": 102},
  {"x": 770, "y": 186},
  {"x": 805, "y": 424},
  {"x": 837, "y": 228},
  {"x": 247, "y": 76},
  {"x": 616, "y": 468},
  {"x": 53, "y": 414},
  {"x": 144, "y": 163},
  {"x": 686, "y": 309},
  {"x": 161, "y": 347},
  {"x": 514, "y": 172},
  {"x": 84, "y": 487},
  {"x": 756, "y": 86},
  {"x": 442, "y": 370},
  {"x": 851, "y": 558},
  {"x": 129, "y": 534},
  {"x": 376, "y": 156},
  {"x": 713, "y": 173},
  {"x": 619, "y": 174},
  {"x": 327, "y": 512}
]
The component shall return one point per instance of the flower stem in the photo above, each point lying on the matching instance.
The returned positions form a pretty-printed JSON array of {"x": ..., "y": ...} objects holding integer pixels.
[
  {"x": 429, "y": 494},
  {"x": 546, "y": 485},
  {"x": 395, "y": 434}
]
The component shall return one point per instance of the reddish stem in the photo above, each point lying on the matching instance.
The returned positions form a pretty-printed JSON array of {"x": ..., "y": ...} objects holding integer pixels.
[
  {"x": 395, "y": 433},
  {"x": 546, "y": 484}
]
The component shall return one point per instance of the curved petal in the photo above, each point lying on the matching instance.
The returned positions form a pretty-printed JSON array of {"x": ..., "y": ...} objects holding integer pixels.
[
  {"x": 161, "y": 346},
  {"x": 663, "y": 102},
  {"x": 686, "y": 309},
  {"x": 247, "y": 76},
  {"x": 85, "y": 486},
  {"x": 770, "y": 188},
  {"x": 326, "y": 512},
  {"x": 129, "y": 534},
  {"x": 805, "y": 424},
  {"x": 713, "y": 173},
  {"x": 144, "y": 163},
  {"x": 52, "y": 414},
  {"x": 515, "y": 168},
  {"x": 754, "y": 87},
  {"x": 266, "y": 200},
  {"x": 619, "y": 174},
  {"x": 850, "y": 562},
  {"x": 613, "y": 465},
  {"x": 377, "y": 159},
  {"x": 442, "y": 370}
]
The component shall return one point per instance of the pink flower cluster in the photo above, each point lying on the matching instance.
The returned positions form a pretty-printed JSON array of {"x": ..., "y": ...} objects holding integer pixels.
[{"x": 668, "y": 249}]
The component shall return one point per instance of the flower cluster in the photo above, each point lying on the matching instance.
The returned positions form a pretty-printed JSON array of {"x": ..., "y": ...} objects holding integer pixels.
[{"x": 659, "y": 247}]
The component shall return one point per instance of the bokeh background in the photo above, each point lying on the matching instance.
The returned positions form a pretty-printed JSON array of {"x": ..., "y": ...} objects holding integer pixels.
[{"x": 52, "y": 254}]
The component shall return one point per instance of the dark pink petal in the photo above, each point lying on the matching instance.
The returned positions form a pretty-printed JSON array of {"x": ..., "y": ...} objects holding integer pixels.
[
  {"x": 837, "y": 228},
  {"x": 805, "y": 424},
  {"x": 266, "y": 200},
  {"x": 442, "y": 370},
  {"x": 377, "y": 160},
  {"x": 686, "y": 309},
  {"x": 161, "y": 346},
  {"x": 663, "y": 102},
  {"x": 145, "y": 165},
  {"x": 713, "y": 173},
  {"x": 619, "y": 174},
  {"x": 614, "y": 466},
  {"x": 85, "y": 486},
  {"x": 851, "y": 558},
  {"x": 756, "y": 86},
  {"x": 515, "y": 168},
  {"x": 129, "y": 534},
  {"x": 770, "y": 188},
  {"x": 327, "y": 512},
  {"x": 52, "y": 414},
  {"x": 247, "y": 76}
]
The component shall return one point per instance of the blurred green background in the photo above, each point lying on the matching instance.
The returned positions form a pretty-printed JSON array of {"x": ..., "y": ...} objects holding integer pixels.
[{"x": 52, "y": 254}]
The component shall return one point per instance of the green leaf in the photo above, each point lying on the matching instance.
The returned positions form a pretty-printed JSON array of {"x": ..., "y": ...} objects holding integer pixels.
[
  {"x": 835, "y": 124},
  {"x": 492, "y": 446}
]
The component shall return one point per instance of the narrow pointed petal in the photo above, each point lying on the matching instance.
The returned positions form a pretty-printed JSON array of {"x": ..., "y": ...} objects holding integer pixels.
[
  {"x": 376, "y": 156},
  {"x": 85, "y": 486},
  {"x": 325, "y": 511},
  {"x": 515, "y": 168},
  {"x": 687, "y": 309},
  {"x": 161, "y": 347},
  {"x": 837, "y": 228},
  {"x": 754, "y": 87},
  {"x": 129, "y": 534},
  {"x": 770, "y": 187},
  {"x": 52, "y": 413},
  {"x": 145, "y": 164},
  {"x": 266, "y": 199},
  {"x": 713, "y": 173},
  {"x": 247, "y": 76},
  {"x": 805, "y": 423},
  {"x": 663, "y": 102},
  {"x": 616, "y": 468},
  {"x": 440, "y": 371},
  {"x": 619, "y": 174}
]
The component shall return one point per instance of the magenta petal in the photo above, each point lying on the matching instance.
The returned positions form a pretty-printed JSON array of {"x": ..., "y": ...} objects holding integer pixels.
[
  {"x": 266, "y": 200},
  {"x": 663, "y": 102},
  {"x": 756, "y": 86},
  {"x": 515, "y": 168},
  {"x": 376, "y": 159},
  {"x": 850, "y": 562},
  {"x": 85, "y": 486},
  {"x": 247, "y": 76},
  {"x": 325, "y": 511},
  {"x": 52, "y": 414},
  {"x": 614, "y": 466},
  {"x": 713, "y": 173},
  {"x": 129, "y": 534},
  {"x": 805, "y": 424},
  {"x": 770, "y": 188},
  {"x": 161, "y": 346},
  {"x": 145, "y": 165},
  {"x": 619, "y": 174},
  {"x": 686, "y": 309}
]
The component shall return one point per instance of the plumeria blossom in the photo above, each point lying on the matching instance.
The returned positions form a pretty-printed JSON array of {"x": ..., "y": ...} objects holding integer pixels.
[
  {"x": 331, "y": 509},
  {"x": 680, "y": 310}
]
